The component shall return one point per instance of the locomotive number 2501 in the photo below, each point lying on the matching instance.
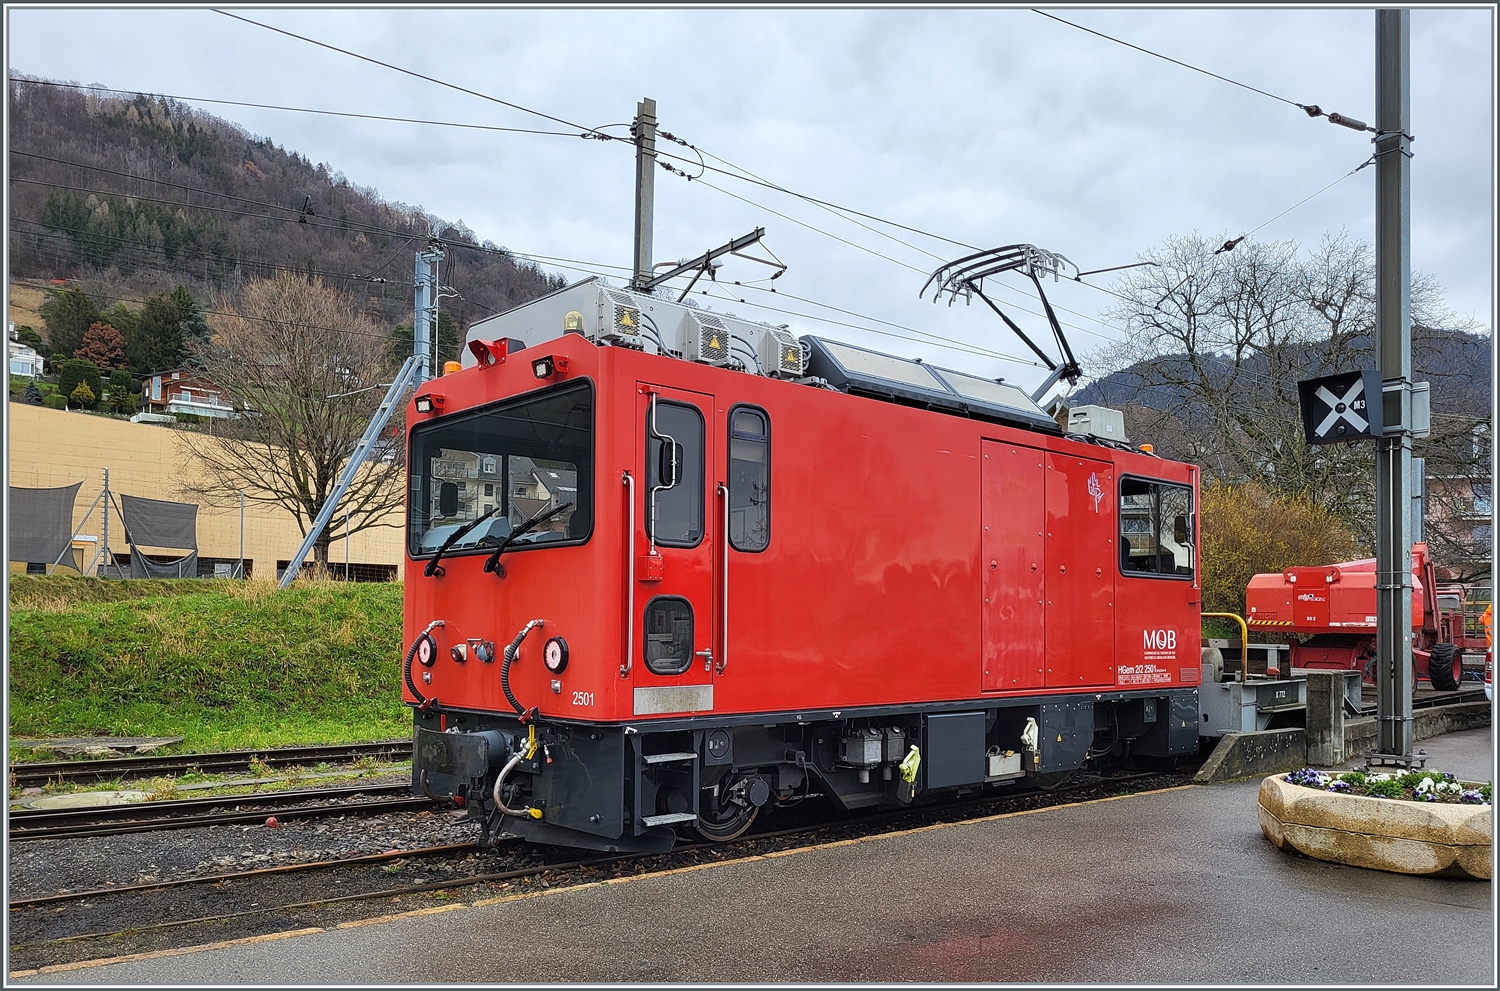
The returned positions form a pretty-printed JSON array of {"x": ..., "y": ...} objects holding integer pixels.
[{"x": 583, "y": 698}]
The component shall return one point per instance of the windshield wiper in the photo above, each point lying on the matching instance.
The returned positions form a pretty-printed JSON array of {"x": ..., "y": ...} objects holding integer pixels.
[
  {"x": 432, "y": 566},
  {"x": 493, "y": 564}
]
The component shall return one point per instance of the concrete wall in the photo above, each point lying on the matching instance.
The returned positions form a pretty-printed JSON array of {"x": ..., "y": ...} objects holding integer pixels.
[
  {"x": 1239, "y": 755},
  {"x": 1361, "y": 735},
  {"x": 54, "y": 447}
]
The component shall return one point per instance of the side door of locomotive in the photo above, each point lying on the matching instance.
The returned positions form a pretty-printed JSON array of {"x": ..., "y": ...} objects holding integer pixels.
[
  {"x": 1080, "y": 565},
  {"x": 675, "y": 618}
]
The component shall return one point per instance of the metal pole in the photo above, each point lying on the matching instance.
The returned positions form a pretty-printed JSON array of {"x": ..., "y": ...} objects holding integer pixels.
[
  {"x": 242, "y": 533},
  {"x": 424, "y": 312},
  {"x": 346, "y": 543},
  {"x": 1393, "y": 641},
  {"x": 104, "y": 528},
  {"x": 645, "y": 188},
  {"x": 405, "y": 378}
]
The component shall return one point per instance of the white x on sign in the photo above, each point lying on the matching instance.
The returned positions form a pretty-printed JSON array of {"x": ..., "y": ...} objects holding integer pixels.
[{"x": 1342, "y": 409}]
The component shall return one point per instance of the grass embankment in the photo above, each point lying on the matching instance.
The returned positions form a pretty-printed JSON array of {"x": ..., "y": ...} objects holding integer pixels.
[{"x": 225, "y": 665}]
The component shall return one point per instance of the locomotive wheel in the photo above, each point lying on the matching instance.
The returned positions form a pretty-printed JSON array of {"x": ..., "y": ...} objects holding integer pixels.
[
  {"x": 1445, "y": 667},
  {"x": 736, "y": 820}
]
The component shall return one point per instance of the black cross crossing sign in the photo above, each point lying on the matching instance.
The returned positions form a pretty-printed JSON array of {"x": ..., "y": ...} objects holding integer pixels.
[{"x": 1341, "y": 407}]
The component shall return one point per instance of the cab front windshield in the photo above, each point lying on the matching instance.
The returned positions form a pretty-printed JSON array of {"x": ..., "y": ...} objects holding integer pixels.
[{"x": 516, "y": 459}]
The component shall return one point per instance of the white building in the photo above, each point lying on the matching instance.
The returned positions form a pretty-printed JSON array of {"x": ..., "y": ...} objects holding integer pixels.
[{"x": 24, "y": 360}]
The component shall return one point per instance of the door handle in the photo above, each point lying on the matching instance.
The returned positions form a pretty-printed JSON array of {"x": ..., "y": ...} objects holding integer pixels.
[{"x": 708, "y": 657}]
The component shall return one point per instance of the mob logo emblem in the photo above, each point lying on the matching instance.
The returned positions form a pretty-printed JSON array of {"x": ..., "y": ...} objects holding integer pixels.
[{"x": 1341, "y": 407}]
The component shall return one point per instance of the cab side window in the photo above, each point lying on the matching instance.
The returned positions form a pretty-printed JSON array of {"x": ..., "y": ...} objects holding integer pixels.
[
  {"x": 1156, "y": 529},
  {"x": 674, "y": 474},
  {"x": 749, "y": 479}
]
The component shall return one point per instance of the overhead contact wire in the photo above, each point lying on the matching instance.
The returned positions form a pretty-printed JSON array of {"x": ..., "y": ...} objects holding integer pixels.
[
  {"x": 1311, "y": 109},
  {"x": 431, "y": 79}
]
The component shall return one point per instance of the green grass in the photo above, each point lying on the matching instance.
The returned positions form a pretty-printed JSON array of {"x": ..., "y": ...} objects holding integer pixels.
[{"x": 225, "y": 665}]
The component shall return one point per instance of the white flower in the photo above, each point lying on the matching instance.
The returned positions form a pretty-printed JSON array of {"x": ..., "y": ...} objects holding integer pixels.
[{"x": 1425, "y": 786}]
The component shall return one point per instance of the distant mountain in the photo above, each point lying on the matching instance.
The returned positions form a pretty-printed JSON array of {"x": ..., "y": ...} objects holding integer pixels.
[
  {"x": 77, "y": 210},
  {"x": 1456, "y": 363}
]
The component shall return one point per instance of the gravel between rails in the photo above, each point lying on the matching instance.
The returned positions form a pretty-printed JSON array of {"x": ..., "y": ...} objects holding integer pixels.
[
  {"x": 39, "y": 935},
  {"x": 47, "y": 867}
]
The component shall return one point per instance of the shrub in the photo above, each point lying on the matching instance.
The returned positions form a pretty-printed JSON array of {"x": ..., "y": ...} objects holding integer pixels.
[
  {"x": 82, "y": 396},
  {"x": 1249, "y": 530},
  {"x": 124, "y": 401},
  {"x": 27, "y": 335},
  {"x": 76, "y": 370},
  {"x": 55, "y": 401}
]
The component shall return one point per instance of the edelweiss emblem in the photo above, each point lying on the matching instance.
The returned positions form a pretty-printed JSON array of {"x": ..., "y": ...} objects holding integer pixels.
[{"x": 1095, "y": 490}]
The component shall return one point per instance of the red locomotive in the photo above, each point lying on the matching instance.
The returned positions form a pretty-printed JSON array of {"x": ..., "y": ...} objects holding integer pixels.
[{"x": 667, "y": 568}]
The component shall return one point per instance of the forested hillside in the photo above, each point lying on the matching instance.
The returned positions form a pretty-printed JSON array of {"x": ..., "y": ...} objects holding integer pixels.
[{"x": 130, "y": 197}]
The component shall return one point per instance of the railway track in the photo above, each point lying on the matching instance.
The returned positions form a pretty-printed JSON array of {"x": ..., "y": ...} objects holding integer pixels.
[
  {"x": 38, "y": 824},
  {"x": 225, "y": 762},
  {"x": 1427, "y": 701},
  {"x": 562, "y": 872}
]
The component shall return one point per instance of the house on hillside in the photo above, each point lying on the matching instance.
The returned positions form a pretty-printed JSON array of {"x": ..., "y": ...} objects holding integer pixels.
[
  {"x": 184, "y": 391},
  {"x": 1459, "y": 512},
  {"x": 25, "y": 362}
]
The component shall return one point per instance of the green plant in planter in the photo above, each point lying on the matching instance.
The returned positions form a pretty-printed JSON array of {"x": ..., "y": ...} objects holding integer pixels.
[
  {"x": 1353, "y": 777},
  {"x": 1389, "y": 788}
]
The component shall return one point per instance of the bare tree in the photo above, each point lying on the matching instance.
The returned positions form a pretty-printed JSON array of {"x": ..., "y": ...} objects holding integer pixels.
[
  {"x": 1218, "y": 340},
  {"x": 304, "y": 366}
]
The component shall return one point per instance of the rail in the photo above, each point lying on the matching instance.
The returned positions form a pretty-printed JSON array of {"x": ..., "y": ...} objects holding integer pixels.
[
  {"x": 1244, "y": 639},
  {"x": 225, "y": 761}
]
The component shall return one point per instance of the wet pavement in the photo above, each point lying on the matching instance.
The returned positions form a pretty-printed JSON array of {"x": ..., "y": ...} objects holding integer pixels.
[{"x": 1176, "y": 886}]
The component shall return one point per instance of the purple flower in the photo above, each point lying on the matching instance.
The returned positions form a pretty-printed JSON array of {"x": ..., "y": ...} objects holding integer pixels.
[
  {"x": 1471, "y": 797},
  {"x": 1339, "y": 786}
]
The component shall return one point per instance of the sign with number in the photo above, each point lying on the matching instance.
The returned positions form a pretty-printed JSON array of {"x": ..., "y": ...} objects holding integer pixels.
[{"x": 1341, "y": 407}]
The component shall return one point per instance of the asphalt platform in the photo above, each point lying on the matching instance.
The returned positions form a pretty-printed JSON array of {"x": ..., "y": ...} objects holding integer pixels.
[{"x": 1170, "y": 887}]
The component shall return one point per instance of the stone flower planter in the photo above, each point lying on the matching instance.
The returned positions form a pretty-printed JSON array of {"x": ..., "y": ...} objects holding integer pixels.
[{"x": 1378, "y": 833}]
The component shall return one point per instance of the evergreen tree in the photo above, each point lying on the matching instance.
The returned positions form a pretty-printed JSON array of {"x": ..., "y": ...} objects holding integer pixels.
[
  {"x": 123, "y": 319},
  {"x": 450, "y": 342},
  {"x": 103, "y": 345},
  {"x": 28, "y": 336},
  {"x": 76, "y": 370},
  {"x": 195, "y": 329},
  {"x": 82, "y": 396},
  {"x": 32, "y": 396},
  {"x": 68, "y": 313},
  {"x": 158, "y": 340},
  {"x": 122, "y": 395}
]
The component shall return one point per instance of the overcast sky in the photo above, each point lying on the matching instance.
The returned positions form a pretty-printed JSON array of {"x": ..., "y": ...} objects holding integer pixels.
[{"x": 987, "y": 126}]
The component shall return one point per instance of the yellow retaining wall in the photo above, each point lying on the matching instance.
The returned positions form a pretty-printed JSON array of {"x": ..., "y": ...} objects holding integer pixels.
[{"x": 55, "y": 447}]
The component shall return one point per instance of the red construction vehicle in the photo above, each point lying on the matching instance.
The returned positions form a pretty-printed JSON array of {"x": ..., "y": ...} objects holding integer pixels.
[{"x": 1336, "y": 604}]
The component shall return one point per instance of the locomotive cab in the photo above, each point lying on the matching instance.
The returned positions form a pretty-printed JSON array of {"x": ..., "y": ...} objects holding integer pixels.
[{"x": 670, "y": 568}]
